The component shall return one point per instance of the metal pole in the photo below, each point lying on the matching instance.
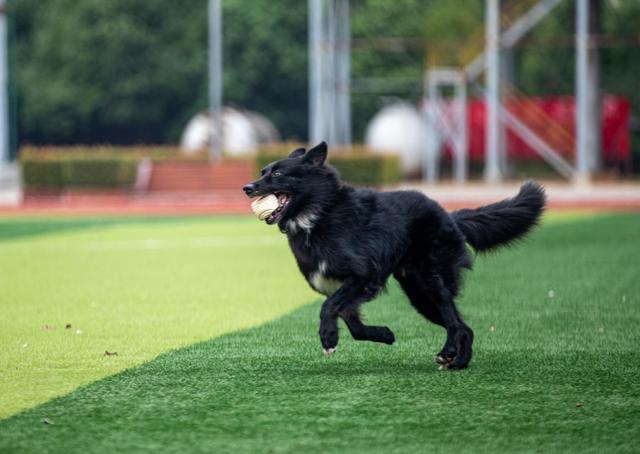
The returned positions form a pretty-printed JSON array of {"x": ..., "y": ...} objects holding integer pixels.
[
  {"x": 329, "y": 94},
  {"x": 4, "y": 95},
  {"x": 315, "y": 24},
  {"x": 425, "y": 152},
  {"x": 462, "y": 141},
  {"x": 326, "y": 84},
  {"x": 583, "y": 142},
  {"x": 343, "y": 67},
  {"x": 593, "y": 82},
  {"x": 215, "y": 79},
  {"x": 492, "y": 98},
  {"x": 430, "y": 163}
]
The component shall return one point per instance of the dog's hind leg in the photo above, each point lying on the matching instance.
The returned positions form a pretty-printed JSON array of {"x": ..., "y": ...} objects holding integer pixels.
[
  {"x": 435, "y": 302},
  {"x": 360, "y": 331}
]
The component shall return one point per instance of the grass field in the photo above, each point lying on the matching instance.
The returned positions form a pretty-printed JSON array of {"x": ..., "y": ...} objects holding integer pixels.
[
  {"x": 130, "y": 286},
  {"x": 556, "y": 364}
]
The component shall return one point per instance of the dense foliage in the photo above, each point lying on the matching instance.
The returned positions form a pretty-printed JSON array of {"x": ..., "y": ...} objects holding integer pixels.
[
  {"x": 130, "y": 71},
  {"x": 133, "y": 71}
]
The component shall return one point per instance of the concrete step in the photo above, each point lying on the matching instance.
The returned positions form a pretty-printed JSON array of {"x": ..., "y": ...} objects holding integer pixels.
[
  {"x": 10, "y": 185},
  {"x": 9, "y": 175}
]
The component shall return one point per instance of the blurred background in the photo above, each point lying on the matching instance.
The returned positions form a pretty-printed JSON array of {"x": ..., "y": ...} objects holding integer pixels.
[{"x": 160, "y": 105}]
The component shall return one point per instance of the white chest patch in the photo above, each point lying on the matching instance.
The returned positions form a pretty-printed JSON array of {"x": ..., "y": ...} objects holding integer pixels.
[
  {"x": 321, "y": 283},
  {"x": 303, "y": 222}
]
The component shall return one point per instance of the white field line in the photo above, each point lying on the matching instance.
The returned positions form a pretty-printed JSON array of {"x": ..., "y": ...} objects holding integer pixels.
[{"x": 193, "y": 243}]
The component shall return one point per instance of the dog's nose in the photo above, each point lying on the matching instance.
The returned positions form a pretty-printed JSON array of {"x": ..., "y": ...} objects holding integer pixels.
[{"x": 249, "y": 188}]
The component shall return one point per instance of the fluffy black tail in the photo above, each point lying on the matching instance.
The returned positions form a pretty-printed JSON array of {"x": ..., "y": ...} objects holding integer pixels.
[{"x": 504, "y": 222}]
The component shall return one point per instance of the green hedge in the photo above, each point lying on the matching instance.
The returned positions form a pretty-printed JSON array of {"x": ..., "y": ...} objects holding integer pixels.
[
  {"x": 42, "y": 173},
  {"x": 116, "y": 172},
  {"x": 357, "y": 167},
  {"x": 83, "y": 167},
  {"x": 116, "y": 167}
]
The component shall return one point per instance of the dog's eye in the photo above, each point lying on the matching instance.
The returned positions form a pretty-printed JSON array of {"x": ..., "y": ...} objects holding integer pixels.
[{"x": 276, "y": 174}]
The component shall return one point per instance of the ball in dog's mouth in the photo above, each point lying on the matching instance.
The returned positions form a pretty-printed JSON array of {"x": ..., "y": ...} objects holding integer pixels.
[{"x": 270, "y": 208}]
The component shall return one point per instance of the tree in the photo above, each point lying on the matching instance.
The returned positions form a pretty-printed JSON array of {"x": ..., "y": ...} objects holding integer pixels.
[
  {"x": 381, "y": 72},
  {"x": 120, "y": 71},
  {"x": 265, "y": 58},
  {"x": 133, "y": 71}
]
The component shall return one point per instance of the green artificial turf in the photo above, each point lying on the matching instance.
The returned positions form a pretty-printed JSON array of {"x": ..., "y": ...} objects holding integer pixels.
[
  {"x": 136, "y": 287},
  {"x": 555, "y": 369}
]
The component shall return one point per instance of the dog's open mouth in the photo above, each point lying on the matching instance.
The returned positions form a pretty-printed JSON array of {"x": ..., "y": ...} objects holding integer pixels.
[{"x": 283, "y": 201}]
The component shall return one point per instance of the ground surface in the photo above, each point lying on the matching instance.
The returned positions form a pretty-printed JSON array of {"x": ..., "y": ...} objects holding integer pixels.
[
  {"x": 555, "y": 370},
  {"x": 130, "y": 286}
]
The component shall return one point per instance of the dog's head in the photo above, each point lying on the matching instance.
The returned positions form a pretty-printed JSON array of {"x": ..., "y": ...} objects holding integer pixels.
[{"x": 302, "y": 182}]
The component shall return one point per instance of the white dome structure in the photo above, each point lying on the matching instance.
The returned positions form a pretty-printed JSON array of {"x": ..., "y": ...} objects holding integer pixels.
[
  {"x": 244, "y": 132},
  {"x": 399, "y": 128}
]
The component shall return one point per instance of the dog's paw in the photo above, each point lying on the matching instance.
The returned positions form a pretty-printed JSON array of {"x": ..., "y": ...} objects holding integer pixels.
[
  {"x": 458, "y": 363},
  {"x": 387, "y": 336},
  {"x": 329, "y": 335},
  {"x": 453, "y": 365},
  {"x": 329, "y": 351},
  {"x": 446, "y": 355},
  {"x": 453, "y": 361},
  {"x": 442, "y": 360},
  {"x": 456, "y": 355}
]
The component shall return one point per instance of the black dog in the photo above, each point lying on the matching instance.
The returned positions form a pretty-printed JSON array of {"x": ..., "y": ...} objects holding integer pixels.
[{"x": 348, "y": 241}]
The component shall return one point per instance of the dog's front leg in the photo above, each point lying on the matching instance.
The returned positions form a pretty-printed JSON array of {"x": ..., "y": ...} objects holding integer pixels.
[
  {"x": 328, "y": 331},
  {"x": 351, "y": 293}
]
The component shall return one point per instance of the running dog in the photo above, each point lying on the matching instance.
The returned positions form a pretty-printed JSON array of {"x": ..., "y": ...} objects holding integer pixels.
[{"x": 348, "y": 241}]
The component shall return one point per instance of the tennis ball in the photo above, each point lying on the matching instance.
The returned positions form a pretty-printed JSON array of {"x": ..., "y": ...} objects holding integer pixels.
[{"x": 264, "y": 206}]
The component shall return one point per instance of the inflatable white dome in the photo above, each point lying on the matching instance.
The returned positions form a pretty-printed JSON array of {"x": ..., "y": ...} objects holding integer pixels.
[
  {"x": 244, "y": 132},
  {"x": 399, "y": 128}
]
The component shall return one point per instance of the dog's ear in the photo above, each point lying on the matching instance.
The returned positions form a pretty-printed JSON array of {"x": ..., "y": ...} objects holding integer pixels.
[
  {"x": 297, "y": 153},
  {"x": 317, "y": 155}
]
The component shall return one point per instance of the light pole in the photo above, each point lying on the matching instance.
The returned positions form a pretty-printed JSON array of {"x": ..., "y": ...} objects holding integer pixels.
[
  {"x": 329, "y": 72},
  {"x": 588, "y": 102},
  {"x": 4, "y": 94},
  {"x": 492, "y": 139},
  {"x": 215, "y": 79}
]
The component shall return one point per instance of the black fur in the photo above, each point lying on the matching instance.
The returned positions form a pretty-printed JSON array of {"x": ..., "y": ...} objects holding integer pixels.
[
  {"x": 502, "y": 222},
  {"x": 348, "y": 241}
]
